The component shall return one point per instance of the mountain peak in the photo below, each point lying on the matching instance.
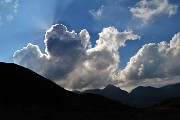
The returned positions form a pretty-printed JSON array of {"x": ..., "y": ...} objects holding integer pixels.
[
  {"x": 110, "y": 86},
  {"x": 111, "y": 89}
]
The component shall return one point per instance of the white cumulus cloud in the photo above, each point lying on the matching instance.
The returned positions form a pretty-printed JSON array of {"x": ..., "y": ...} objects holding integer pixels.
[
  {"x": 71, "y": 61},
  {"x": 147, "y": 10},
  {"x": 155, "y": 62}
]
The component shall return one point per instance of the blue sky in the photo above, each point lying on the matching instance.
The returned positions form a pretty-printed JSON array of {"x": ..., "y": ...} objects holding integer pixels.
[{"x": 26, "y": 21}]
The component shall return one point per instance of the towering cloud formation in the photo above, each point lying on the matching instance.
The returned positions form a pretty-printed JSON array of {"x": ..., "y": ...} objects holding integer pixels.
[
  {"x": 64, "y": 50},
  {"x": 155, "y": 61},
  {"x": 70, "y": 60},
  {"x": 101, "y": 63},
  {"x": 73, "y": 63},
  {"x": 146, "y": 10}
]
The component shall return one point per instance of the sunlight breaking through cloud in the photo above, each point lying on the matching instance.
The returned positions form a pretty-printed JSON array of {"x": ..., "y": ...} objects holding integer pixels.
[{"x": 71, "y": 61}]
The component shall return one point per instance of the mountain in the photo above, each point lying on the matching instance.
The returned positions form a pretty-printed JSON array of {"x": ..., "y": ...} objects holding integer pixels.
[
  {"x": 111, "y": 92},
  {"x": 148, "y": 96},
  {"x": 166, "y": 110},
  {"x": 27, "y": 95},
  {"x": 140, "y": 96}
]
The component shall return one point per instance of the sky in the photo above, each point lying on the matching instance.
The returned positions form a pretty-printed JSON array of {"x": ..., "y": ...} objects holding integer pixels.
[{"x": 87, "y": 44}]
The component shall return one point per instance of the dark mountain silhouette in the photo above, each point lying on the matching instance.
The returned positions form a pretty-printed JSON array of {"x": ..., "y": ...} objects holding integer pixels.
[
  {"x": 166, "y": 110},
  {"x": 148, "y": 96},
  {"x": 140, "y": 96},
  {"x": 27, "y": 95},
  {"x": 111, "y": 92}
]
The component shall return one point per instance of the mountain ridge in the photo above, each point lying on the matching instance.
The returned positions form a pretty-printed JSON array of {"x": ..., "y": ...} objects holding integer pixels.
[
  {"x": 142, "y": 96},
  {"x": 25, "y": 95}
]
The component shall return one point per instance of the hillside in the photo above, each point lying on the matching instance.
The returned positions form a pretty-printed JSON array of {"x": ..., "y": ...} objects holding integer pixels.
[
  {"x": 27, "y": 95},
  {"x": 166, "y": 110}
]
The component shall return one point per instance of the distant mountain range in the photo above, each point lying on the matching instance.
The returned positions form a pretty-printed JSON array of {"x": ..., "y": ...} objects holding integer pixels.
[
  {"x": 140, "y": 96},
  {"x": 25, "y": 95}
]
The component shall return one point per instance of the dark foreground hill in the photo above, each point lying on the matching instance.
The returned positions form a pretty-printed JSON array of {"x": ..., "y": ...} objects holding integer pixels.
[
  {"x": 140, "y": 96},
  {"x": 167, "y": 110},
  {"x": 25, "y": 95}
]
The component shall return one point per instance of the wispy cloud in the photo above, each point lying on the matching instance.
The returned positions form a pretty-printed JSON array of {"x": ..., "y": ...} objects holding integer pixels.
[
  {"x": 8, "y": 9},
  {"x": 147, "y": 10},
  {"x": 97, "y": 14}
]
